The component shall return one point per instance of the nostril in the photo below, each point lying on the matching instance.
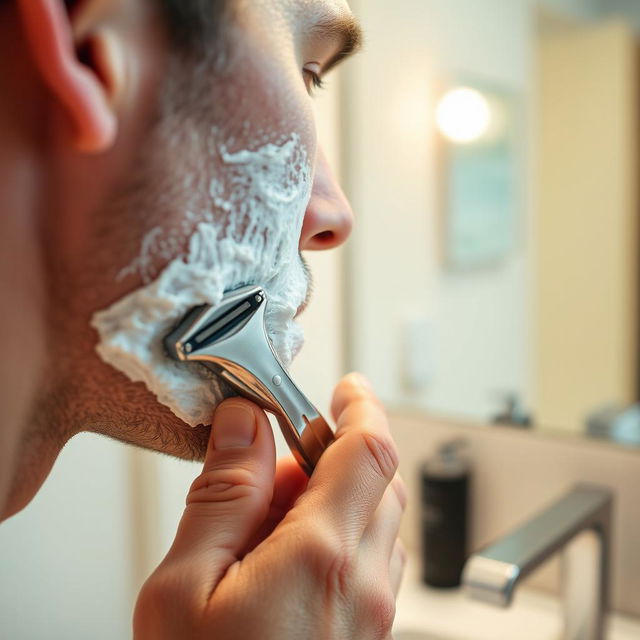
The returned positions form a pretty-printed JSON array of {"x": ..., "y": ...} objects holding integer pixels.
[{"x": 326, "y": 237}]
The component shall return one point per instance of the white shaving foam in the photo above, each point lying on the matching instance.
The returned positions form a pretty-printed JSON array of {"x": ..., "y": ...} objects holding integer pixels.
[{"x": 249, "y": 236}]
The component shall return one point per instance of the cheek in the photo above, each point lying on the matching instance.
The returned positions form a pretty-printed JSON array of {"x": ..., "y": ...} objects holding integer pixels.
[
  {"x": 194, "y": 168},
  {"x": 240, "y": 163},
  {"x": 269, "y": 99}
]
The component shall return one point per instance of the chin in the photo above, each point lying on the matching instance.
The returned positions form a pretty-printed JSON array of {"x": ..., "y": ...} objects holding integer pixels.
[
  {"x": 164, "y": 432},
  {"x": 127, "y": 411}
]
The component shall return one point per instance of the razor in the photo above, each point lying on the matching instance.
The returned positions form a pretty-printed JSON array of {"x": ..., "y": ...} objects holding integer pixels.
[{"x": 231, "y": 340}]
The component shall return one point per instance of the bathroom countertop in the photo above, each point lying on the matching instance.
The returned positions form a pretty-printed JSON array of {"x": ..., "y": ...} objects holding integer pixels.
[{"x": 435, "y": 614}]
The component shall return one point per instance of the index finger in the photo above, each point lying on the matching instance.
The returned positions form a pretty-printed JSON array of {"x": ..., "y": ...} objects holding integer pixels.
[{"x": 353, "y": 473}]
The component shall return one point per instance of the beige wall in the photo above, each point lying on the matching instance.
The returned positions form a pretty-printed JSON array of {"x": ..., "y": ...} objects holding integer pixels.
[{"x": 586, "y": 238}]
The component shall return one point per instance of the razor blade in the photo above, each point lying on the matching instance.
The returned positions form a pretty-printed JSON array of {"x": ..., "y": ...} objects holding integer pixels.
[{"x": 231, "y": 340}]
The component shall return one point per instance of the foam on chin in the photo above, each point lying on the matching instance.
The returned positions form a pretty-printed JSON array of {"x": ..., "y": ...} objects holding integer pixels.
[{"x": 265, "y": 194}]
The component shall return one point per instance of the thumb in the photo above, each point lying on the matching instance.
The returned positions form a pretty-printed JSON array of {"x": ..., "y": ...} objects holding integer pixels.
[{"x": 230, "y": 499}]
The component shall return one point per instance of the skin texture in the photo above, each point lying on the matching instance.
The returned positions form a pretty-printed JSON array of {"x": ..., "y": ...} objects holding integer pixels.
[{"x": 97, "y": 117}]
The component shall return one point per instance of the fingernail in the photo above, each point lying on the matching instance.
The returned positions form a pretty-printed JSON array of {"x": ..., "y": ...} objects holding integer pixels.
[
  {"x": 363, "y": 381},
  {"x": 234, "y": 425}
]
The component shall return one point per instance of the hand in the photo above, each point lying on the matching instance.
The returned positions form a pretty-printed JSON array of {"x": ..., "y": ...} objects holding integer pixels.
[{"x": 263, "y": 554}]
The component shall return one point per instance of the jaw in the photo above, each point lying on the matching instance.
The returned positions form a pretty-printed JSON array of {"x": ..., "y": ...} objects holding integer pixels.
[
  {"x": 131, "y": 414},
  {"x": 151, "y": 426},
  {"x": 92, "y": 397},
  {"x": 35, "y": 457}
]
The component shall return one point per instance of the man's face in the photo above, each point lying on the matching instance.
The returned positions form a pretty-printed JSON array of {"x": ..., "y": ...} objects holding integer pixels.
[{"x": 256, "y": 95}]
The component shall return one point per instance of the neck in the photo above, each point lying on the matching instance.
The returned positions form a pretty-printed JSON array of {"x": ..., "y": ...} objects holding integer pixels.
[{"x": 21, "y": 321}]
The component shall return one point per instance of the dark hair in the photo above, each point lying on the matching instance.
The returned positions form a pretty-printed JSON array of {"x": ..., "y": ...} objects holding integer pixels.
[{"x": 195, "y": 26}]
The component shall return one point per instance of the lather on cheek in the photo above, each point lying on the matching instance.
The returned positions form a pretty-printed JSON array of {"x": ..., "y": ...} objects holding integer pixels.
[{"x": 245, "y": 229}]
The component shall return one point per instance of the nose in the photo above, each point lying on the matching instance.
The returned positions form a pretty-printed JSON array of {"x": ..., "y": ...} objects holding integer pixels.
[{"x": 329, "y": 217}]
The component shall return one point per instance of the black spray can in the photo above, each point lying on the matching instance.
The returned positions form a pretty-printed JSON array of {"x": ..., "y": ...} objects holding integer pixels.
[{"x": 445, "y": 484}]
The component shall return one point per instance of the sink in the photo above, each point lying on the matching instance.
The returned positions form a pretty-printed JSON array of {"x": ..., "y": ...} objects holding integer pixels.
[{"x": 433, "y": 614}]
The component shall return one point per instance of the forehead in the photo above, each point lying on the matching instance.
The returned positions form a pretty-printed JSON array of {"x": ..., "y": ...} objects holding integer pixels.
[
  {"x": 309, "y": 7},
  {"x": 302, "y": 11}
]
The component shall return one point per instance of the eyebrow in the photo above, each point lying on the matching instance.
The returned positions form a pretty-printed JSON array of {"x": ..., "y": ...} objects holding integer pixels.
[{"x": 346, "y": 31}]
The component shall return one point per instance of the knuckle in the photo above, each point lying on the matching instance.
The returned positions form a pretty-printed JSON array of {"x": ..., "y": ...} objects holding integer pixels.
[
  {"x": 322, "y": 547},
  {"x": 155, "y": 592},
  {"x": 382, "y": 455},
  {"x": 331, "y": 562},
  {"x": 380, "y": 609},
  {"x": 159, "y": 600},
  {"x": 223, "y": 484},
  {"x": 340, "y": 575},
  {"x": 147, "y": 604}
]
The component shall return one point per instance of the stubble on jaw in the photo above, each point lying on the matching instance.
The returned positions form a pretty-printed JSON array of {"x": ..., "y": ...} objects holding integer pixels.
[{"x": 131, "y": 416}]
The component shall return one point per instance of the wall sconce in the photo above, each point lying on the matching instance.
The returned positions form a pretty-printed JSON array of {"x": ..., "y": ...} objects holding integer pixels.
[{"x": 463, "y": 115}]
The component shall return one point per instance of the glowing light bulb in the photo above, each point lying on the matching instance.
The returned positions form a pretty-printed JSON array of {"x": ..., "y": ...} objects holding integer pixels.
[{"x": 463, "y": 115}]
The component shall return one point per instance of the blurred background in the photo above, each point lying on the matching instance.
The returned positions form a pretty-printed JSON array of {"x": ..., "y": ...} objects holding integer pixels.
[
  {"x": 494, "y": 270},
  {"x": 490, "y": 150}
]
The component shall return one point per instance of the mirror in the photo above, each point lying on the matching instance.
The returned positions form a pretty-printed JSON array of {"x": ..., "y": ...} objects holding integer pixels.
[{"x": 492, "y": 157}]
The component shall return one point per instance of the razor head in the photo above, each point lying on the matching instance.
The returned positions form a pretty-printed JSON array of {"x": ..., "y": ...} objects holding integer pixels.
[
  {"x": 231, "y": 340},
  {"x": 205, "y": 325}
]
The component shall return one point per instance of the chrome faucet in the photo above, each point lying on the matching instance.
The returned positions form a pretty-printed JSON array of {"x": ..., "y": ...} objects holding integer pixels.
[{"x": 579, "y": 525}]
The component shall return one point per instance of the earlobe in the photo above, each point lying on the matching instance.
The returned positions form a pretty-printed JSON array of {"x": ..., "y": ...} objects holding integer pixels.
[{"x": 86, "y": 88}]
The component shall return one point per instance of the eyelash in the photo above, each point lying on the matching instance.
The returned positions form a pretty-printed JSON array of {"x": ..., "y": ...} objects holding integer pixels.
[{"x": 316, "y": 80}]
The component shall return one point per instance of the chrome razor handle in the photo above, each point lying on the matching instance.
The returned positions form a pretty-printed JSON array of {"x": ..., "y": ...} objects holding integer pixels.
[{"x": 231, "y": 340}]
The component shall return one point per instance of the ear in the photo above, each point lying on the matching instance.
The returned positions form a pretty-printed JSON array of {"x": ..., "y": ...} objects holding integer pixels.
[{"x": 83, "y": 76}]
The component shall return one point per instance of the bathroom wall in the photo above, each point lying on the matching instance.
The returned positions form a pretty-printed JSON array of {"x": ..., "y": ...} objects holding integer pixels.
[
  {"x": 586, "y": 240},
  {"x": 397, "y": 278}
]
